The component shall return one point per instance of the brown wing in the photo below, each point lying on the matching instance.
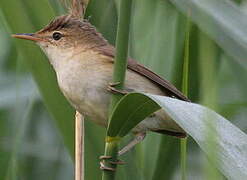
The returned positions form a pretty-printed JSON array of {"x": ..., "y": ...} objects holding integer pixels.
[
  {"x": 172, "y": 90},
  {"x": 135, "y": 66}
]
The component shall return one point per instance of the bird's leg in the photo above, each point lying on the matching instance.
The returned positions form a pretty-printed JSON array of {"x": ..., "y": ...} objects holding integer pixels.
[
  {"x": 111, "y": 88},
  {"x": 138, "y": 138}
]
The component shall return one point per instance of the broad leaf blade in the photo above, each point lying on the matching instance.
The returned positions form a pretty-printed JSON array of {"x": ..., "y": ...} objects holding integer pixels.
[
  {"x": 193, "y": 118},
  {"x": 137, "y": 107},
  {"x": 157, "y": 41},
  {"x": 223, "y": 21},
  {"x": 231, "y": 143}
]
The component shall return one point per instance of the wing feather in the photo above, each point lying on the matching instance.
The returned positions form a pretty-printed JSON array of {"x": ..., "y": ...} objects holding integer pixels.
[{"x": 155, "y": 78}]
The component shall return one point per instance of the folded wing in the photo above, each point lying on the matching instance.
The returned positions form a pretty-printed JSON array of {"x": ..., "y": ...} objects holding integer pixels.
[{"x": 137, "y": 67}]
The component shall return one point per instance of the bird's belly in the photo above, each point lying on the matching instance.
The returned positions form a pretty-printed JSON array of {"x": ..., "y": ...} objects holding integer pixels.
[{"x": 87, "y": 93}]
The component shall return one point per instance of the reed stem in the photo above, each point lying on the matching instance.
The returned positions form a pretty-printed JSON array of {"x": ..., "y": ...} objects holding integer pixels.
[
  {"x": 120, "y": 65},
  {"x": 185, "y": 85}
]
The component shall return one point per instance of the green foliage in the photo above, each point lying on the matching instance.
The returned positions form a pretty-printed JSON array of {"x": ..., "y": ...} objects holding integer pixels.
[
  {"x": 231, "y": 142},
  {"x": 119, "y": 71},
  {"x": 40, "y": 68},
  {"x": 128, "y": 113},
  {"x": 218, "y": 19},
  {"x": 185, "y": 85}
]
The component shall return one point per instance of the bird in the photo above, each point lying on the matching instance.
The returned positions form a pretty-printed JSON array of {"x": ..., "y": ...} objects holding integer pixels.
[{"x": 83, "y": 61}]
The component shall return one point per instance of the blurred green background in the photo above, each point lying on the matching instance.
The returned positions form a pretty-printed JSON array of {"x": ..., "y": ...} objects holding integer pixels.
[{"x": 36, "y": 122}]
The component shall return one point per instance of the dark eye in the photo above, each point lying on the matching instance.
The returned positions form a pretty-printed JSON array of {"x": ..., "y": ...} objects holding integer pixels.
[{"x": 56, "y": 36}]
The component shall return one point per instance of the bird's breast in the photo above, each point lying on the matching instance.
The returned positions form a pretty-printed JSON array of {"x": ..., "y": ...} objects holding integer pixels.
[{"x": 84, "y": 82}]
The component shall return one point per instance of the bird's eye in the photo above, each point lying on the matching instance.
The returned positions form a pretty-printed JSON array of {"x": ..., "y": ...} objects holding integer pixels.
[{"x": 56, "y": 36}]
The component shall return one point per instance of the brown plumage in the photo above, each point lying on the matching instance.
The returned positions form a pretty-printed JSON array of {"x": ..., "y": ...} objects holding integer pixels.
[
  {"x": 106, "y": 49},
  {"x": 139, "y": 68},
  {"x": 78, "y": 8},
  {"x": 83, "y": 61},
  {"x": 58, "y": 23}
]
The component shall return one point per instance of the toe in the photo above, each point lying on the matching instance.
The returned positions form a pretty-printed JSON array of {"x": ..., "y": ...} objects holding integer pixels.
[
  {"x": 104, "y": 167},
  {"x": 105, "y": 157}
]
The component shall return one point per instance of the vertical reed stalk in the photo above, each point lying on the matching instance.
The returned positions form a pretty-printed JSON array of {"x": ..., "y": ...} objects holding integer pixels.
[
  {"x": 185, "y": 80},
  {"x": 79, "y": 119},
  {"x": 79, "y": 146},
  {"x": 209, "y": 56},
  {"x": 120, "y": 65}
]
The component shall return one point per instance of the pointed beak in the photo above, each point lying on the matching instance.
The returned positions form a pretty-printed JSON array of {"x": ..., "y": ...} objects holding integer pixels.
[{"x": 28, "y": 36}]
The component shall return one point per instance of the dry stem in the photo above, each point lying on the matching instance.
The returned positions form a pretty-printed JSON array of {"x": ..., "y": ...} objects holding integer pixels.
[{"x": 79, "y": 146}]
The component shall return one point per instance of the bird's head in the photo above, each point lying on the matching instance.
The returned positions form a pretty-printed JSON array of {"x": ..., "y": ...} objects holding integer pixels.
[{"x": 65, "y": 36}]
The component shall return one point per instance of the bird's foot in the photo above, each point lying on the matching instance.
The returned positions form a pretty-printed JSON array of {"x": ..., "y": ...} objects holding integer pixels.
[
  {"x": 111, "y": 88},
  {"x": 106, "y": 168},
  {"x": 107, "y": 158},
  {"x": 113, "y": 84},
  {"x": 103, "y": 159}
]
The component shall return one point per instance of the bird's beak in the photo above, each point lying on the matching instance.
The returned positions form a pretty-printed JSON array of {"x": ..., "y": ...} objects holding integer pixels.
[{"x": 28, "y": 36}]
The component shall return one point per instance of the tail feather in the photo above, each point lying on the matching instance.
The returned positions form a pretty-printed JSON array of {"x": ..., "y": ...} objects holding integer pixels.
[{"x": 171, "y": 133}]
